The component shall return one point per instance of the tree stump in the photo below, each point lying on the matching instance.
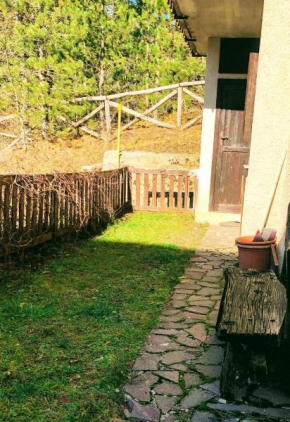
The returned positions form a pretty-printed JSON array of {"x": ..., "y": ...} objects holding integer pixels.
[{"x": 251, "y": 320}]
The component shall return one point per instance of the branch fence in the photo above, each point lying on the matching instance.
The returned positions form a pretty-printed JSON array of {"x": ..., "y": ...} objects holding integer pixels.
[{"x": 38, "y": 208}]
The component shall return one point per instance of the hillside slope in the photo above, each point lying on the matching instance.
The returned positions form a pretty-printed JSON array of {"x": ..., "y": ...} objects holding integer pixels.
[{"x": 71, "y": 154}]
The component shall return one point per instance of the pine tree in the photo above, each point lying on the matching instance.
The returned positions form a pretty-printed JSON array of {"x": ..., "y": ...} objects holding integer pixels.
[
  {"x": 54, "y": 50},
  {"x": 44, "y": 45}
]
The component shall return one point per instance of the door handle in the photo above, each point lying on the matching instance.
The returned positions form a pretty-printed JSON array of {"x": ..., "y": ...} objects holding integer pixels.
[{"x": 224, "y": 138}]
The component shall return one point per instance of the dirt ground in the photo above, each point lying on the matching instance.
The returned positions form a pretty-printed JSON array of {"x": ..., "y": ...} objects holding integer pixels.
[{"x": 71, "y": 154}]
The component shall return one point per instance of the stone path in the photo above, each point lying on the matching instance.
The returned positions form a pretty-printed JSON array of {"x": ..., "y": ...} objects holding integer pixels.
[{"x": 178, "y": 371}]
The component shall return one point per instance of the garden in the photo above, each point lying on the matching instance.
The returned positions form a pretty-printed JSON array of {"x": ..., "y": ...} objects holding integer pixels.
[{"x": 74, "y": 317}]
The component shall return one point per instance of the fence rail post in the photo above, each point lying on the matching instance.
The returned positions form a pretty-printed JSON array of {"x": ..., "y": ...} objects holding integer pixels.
[
  {"x": 179, "y": 105},
  {"x": 108, "y": 117}
]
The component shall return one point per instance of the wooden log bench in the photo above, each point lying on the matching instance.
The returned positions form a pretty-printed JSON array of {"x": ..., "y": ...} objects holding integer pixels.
[{"x": 251, "y": 321}]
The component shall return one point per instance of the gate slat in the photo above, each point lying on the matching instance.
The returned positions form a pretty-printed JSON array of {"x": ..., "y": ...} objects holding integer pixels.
[
  {"x": 86, "y": 198},
  {"x": 47, "y": 220},
  {"x": 56, "y": 211},
  {"x": 171, "y": 191},
  {"x": 34, "y": 210},
  {"x": 124, "y": 190},
  {"x": 130, "y": 187},
  {"x": 179, "y": 194},
  {"x": 66, "y": 211},
  {"x": 21, "y": 208},
  {"x": 28, "y": 214},
  {"x": 14, "y": 207},
  {"x": 146, "y": 185},
  {"x": 195, "y": 192},
  {"x": 154, "y": 190},
  {"x": 40, "y": 215},
  {"x": 61, "y": 209},
  {"x": 138, "y": 190},
  {"x": 6, "y": 212},
  {"x": 162, "y": 194},
  {"x": 98, "y": 200},
  {"x": 186, "y": 189}
]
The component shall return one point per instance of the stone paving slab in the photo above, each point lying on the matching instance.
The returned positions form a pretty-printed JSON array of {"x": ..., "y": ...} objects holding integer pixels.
[
  {"x": 281, "y": 414},
  {"x": 179, "y": 368},
  {"x": 204, "y": 417}
]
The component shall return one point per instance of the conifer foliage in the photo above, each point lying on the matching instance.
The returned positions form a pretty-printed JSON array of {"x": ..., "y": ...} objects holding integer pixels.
[{"x": 54, "y": 50}]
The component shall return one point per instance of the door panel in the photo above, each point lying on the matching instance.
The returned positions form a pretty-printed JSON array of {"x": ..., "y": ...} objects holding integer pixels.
[
  {"x": 231, "y": 94},
  {"x": 233, "y": 131},
  {"x": 231, "y": 151},
  {"x": 230, "y": 188}
]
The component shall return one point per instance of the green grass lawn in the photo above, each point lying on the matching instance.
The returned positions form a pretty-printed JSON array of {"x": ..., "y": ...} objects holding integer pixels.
[{"x": 71, "y": 329}]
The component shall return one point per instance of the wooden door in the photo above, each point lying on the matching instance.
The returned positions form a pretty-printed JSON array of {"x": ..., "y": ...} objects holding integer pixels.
[{"x": 232, "y": 139}]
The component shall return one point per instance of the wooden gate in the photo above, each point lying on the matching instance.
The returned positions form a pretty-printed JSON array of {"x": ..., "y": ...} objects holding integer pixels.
[{"x": 157, "y": 190}]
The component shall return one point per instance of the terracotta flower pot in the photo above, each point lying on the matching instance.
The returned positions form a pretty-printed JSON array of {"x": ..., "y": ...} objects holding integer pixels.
[{"x": 255, "y": 255}]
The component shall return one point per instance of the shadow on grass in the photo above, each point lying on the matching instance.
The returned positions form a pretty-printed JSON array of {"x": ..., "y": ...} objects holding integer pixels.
[{"x": 71, "y": 326}]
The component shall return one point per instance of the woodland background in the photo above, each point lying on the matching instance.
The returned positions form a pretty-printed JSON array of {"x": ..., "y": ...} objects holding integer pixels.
[{"x": 52, "y": 51}]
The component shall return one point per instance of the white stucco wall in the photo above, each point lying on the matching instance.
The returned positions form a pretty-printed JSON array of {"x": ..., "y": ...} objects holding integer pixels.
[
  {"x": 208, "y": 125},
  {"x": 271, "y": 124}
]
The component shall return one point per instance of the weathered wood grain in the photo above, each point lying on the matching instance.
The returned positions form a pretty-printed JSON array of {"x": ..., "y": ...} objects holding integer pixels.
[
  {"x": 108, "y": 117},
  {"x": 142, "y": 116},
  {"x": 230, "y": 154},
  {"x": 168, "y": 189},
  {"x": 151, "y": 109},
  {"x": 194, "y": 96},
  {"x": 87, "y": 117},
  {"x": 179, "y": 106},
  {"x": 191, "y": 122},
  {"x": 9, "y": 135},
  {"x": 253, "y": 307},
  {"x": 133, "y": 93},
  {"x": 92, "y": 133}
]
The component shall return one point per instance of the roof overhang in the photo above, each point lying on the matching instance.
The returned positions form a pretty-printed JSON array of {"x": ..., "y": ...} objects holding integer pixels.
[{"x": 203, "y": 19}]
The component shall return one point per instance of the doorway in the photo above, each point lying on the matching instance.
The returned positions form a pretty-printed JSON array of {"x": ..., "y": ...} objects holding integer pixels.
[
  {"x": 234, "y": 117},
  {"x": 231, "y": 152}
]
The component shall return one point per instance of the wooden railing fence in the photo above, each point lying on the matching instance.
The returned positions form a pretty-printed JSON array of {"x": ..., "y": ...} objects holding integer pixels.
[
  {"x": 163, "y": 189},
  {"x": 106, "y": 103},
  {"x": 38, "y": 208}
]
